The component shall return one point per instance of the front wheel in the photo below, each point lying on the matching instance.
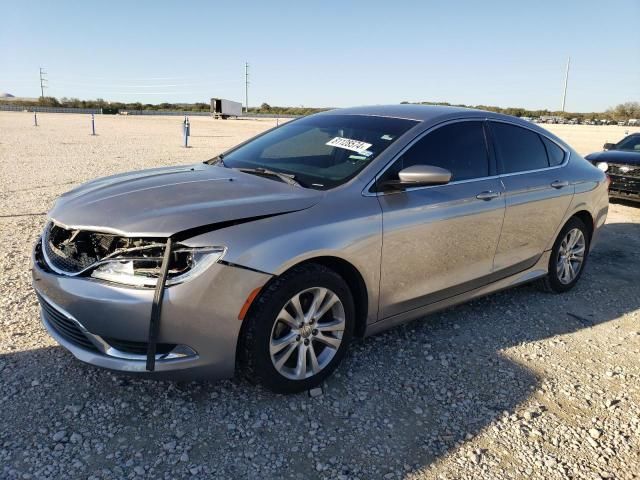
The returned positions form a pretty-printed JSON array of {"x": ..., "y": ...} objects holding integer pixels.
[
  {"x": 568, "y": 257},
  {"x": 298, "y": 330}
]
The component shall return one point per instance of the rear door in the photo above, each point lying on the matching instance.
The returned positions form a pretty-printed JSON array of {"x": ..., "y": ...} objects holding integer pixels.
[
  {"x": 537, "y": 190},
  {"x": 439, "y": 241}
]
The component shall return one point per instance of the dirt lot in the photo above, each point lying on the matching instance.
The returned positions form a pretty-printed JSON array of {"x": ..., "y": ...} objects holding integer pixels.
[{"x": 519, "y": 384}]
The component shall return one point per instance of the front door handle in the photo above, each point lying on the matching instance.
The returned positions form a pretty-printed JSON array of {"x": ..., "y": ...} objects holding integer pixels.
[
  {"x": 559, "y": 184},
  {"x": 488, "y": 195}
]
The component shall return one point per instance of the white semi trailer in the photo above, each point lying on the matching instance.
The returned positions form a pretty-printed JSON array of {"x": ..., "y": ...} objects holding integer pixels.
[{"x": 221, "y": 108}]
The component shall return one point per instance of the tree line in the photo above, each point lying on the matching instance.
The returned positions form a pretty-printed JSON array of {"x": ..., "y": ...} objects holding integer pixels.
[{"x": 623, "y": 111}]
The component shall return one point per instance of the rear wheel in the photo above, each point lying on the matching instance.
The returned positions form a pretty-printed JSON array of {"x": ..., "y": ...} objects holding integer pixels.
[
  {"x": 568, "y": 257},
  {"x": 298, "y": 330}
]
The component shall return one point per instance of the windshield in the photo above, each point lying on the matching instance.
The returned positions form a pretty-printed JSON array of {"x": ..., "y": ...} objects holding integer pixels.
[
  {"x": 631, "y": 143},
  {"x": 320, "y": 151}
]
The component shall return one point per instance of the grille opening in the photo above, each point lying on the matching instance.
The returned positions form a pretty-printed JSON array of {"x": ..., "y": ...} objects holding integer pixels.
[
  {"x": 39, "y": 258},
  {"x": 65, "y": 327},
  {"x": 138, "y": 348},
  {"x": 631, "y": 171}
]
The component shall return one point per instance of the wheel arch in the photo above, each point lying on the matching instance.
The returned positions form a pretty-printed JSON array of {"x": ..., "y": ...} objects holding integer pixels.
[
  {"x": 551, "y": 283},
  {"x": 581, "y": 213},
  {"x": 586, "y": 218},
  {"x": 351, "y": 275},
  {"x": 355, "y": 282}
]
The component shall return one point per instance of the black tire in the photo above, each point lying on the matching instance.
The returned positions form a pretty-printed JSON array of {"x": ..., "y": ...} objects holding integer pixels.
[
  {"x": 254, "y": 356},
  {"x": 551, "y": 282}
]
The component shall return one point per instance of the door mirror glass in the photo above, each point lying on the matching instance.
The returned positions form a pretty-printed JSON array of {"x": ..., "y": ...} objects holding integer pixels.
[{"x": 609, "y": 146}]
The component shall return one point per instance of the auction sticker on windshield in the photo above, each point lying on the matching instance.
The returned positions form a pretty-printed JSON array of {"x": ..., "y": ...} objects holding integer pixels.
[{"x": 348, "y": 144}]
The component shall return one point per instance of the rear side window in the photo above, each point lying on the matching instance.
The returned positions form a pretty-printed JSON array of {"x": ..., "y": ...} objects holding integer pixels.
[
  {"x": 458, "y": 147},
  {"x": 518, "y": 149},
  {"x": 554, "y": 152}
]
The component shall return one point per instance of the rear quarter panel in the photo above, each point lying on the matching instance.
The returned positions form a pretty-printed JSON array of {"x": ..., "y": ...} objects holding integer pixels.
[{"x": 590, "y": 195}]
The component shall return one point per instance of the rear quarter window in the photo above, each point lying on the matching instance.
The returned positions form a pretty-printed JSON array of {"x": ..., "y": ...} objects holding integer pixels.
[{"x": 554, "y": 152}]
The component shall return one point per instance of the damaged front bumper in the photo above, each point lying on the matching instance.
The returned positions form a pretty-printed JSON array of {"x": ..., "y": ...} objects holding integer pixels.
[{"x": 107, "y": 324}]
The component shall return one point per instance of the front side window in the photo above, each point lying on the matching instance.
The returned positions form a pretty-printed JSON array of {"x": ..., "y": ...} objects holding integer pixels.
[
  {"x": 458, "y": 147},
  {"x": 518, "y": 149},
  {"x": 320, "y": 151}
]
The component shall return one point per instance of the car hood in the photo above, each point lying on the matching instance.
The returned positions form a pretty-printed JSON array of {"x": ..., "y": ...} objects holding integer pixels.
[
  {"x": 164, "y": 201},
  {"x": 615, "y": 156}
]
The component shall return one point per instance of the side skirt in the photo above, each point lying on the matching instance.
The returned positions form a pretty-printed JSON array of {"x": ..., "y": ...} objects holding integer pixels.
[{"x": 537, "y": 271}]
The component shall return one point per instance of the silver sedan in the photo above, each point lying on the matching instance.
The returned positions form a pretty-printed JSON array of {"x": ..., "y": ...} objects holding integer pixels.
[{"x": 271, "y": 257}]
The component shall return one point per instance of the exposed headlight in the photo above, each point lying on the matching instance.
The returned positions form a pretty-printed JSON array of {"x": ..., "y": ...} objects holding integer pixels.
[
  {"x": 186, "y": 263},
  {"x": 604, "y": 166}
]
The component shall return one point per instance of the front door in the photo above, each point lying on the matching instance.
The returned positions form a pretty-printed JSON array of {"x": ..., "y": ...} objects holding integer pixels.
[{"x": 439, "y": 241}]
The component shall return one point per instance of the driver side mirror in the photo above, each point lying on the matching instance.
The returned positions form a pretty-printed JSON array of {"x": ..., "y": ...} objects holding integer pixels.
[
  {"x": 418, "y": 176},
  {"x": 609, "y": 146}
]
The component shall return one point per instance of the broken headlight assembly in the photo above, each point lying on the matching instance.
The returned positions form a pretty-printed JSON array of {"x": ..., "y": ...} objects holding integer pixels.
[
  {"x": 144, "y": 271},
  {"x": 128, "y": 261}
]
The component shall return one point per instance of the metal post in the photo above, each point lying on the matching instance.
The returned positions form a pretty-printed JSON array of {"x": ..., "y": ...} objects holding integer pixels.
[
  {"x": 277, "y": 119},
  {"x": 185, "y": 135},
  {"x": 566, "y": 81},
  {"x": 43, "y": 81},
  {"x": 246, "y": 87},
  {"x": 93, "y": 125},
  {"x": 35, "y": 119}
]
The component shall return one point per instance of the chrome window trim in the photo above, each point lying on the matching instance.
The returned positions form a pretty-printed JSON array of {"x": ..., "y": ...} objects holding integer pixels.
[
  {"x": 524, "y": 172},
  {"x": 367, "y": 193}
]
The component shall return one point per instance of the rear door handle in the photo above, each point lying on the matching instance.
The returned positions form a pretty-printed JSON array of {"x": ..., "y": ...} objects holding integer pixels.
[
  {"x": 488, "y": 195},
  {"x": 559, "y": 184}
]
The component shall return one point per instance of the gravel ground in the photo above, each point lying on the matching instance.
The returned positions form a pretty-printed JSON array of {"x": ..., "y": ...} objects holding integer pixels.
[{"x": 519, "y": 384}]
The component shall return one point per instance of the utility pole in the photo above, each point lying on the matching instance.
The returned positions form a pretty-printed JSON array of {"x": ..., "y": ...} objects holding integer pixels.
[
  {"x": 43, "y": 81},
  {"x": 246, "y": 87},
  {"x": 566, "y": 81}
]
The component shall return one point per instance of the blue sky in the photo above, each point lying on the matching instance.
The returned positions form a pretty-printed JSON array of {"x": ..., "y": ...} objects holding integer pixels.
[{"x": 326, "y": 53}]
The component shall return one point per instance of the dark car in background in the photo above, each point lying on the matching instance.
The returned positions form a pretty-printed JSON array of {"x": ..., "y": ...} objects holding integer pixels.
[{"x": 621, "y": 162}]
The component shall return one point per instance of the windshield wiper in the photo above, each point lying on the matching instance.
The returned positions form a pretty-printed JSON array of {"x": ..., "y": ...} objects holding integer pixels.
[{"x": 285, "y": 177}]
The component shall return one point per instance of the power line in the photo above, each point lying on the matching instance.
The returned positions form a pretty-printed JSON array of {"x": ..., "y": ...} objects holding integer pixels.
[
  {"x": 43, "y": 81},
  {"x": 246, "y": 87},
  {"x": 158, "y": 85}
]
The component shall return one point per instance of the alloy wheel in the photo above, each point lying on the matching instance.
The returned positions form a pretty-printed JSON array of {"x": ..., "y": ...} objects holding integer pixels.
[
  {"x": 307, "y": 333},
  {"x": 570, "y": 256}
]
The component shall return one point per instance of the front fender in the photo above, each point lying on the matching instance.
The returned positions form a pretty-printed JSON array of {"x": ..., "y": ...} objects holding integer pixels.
[{"x": 346, "y": 228}]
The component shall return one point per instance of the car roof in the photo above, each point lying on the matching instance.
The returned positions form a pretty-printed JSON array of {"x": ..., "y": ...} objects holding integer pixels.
[
  {"x": 429, "y": 115},
  {"x": 420, "y": 113}
]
